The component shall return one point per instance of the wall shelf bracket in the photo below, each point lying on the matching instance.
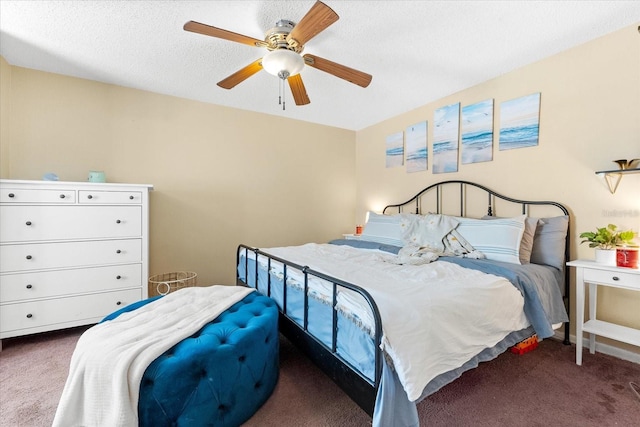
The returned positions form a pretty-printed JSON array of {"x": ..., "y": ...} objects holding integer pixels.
[{"x": 613, "y": 177}]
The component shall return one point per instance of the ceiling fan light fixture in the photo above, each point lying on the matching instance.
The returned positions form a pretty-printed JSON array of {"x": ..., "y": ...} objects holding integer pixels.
[
  {"x": 285, "y": 43},
  {"x": 282, "y": 63}
]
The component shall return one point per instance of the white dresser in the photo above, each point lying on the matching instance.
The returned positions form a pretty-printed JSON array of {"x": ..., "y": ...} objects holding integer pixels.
[{"x": 70, "y": 252}]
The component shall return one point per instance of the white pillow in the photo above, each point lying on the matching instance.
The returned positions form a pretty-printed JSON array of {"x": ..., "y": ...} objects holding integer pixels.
[
  {"x": 383, "y": 229},
  {"x": 526, "y": 245},
  {"x": 498, "y": 239}
]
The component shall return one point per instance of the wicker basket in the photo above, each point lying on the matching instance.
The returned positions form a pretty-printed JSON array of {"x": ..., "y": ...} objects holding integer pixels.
[{"x": 169, "y": 282}]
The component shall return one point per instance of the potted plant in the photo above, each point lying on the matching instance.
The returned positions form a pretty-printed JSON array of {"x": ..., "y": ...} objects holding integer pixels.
[{"x": 605, "y": 240}]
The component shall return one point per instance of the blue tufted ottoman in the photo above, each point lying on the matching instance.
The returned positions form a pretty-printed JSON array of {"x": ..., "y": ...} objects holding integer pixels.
[{"x": 220, "y": 376}]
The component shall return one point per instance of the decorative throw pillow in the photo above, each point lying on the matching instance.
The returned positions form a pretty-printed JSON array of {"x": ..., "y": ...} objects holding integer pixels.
[{"x": 498, "y": 239}]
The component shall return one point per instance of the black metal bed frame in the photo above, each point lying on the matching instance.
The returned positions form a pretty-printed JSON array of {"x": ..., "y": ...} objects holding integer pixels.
[{"x": 358, "y": 387}]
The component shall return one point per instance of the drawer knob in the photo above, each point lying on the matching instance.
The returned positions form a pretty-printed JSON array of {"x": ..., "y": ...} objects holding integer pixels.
[
  {"x": 11, "y": 195},
  {"x": 89, "y": 196},
  {"x": 29, "y": 286},
  {"x": 62, "y": 196},
  {"x": 118, "y": 251},
  {"x": 130, "y": 197},
  {"x": 119, "y": 303},
  {"x": 118, "y": 277},
  {"x": 29, "y": 316},
  {"x": 29, "y": 257},
  {"x": 118, "y": 221},
  {"x": 28, "y": 222},
  {"x": 616, "y": 278}
]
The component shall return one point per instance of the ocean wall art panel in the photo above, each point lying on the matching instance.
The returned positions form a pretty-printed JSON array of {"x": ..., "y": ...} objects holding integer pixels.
[
  {"x": 395, "y": 150},
  {"x": 519, "y": 122},
  {"x": 477, "y": 132},
  {"x": 446, "y": 122},
  {"x": 416, "y": 136}
]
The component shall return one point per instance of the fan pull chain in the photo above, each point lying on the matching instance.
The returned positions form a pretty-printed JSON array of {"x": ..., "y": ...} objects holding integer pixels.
[{"x": 281, "y": 93}]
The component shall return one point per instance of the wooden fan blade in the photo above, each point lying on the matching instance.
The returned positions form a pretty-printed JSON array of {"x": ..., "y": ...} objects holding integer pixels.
[
  {"x": 298, "y": 90},
  {"x": 318, "y": 18},
  {"x": 349, "y": 74},
  {"x": 241, "y": 75},
  {"x": 208, "y": 30}
]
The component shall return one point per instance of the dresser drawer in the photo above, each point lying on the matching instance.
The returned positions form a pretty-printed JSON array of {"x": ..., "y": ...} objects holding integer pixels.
[
  {"x": 40, "y": 256},
  {"x": 14, "y": 195},
  {"x": 35, "y": 223},
  {"x": 47, "y": 284},
  {"x": 88, "y": 197},
  {"x": 614, "y": 278},
  {"x": 78, "y": 310}
]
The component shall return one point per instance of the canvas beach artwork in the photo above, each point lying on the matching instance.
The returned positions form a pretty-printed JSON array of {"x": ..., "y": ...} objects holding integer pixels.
[
  {"x": 477, "y": 132},
  {"x": 395, "y": 150},
  {"x": 416, "y": 136},
  {"x": 446, "y": 122},
  {"x": 519, "y": 122}
]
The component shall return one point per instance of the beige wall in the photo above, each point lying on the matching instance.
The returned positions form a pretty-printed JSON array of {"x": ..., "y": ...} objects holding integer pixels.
[
  {"x": 222, "y": 176},
  {"x": 590, "y": 115}
]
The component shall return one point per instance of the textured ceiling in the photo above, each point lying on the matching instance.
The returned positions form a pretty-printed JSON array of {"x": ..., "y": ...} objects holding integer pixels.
[{"x": 417, "y": 51}]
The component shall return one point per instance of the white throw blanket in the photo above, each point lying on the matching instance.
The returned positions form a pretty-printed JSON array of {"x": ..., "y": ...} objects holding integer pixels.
[
  {"x": 111, "y": 357},
  {"x": 434, "y": 236}
]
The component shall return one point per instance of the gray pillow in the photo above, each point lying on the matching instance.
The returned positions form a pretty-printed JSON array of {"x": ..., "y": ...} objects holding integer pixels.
[{"x": 549, "y": 241}]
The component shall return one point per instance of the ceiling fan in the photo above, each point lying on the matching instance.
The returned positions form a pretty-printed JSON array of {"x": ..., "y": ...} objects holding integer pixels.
[{"x": 285, "y": 43}]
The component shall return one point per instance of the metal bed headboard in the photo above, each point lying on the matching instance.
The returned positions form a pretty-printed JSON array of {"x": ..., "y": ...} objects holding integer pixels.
[
  {"x": 416, "y": 204},
  {"x": 491, "y": 195}
]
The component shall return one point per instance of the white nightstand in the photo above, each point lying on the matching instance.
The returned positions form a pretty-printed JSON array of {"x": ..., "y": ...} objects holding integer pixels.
[{"x": 594, "y": 274}]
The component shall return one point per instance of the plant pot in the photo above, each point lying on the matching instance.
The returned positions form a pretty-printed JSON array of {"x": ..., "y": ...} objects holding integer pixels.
[{"x": 606, "y": 256}]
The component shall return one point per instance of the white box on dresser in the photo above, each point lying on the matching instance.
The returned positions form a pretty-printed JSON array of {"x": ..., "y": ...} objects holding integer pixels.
[{"x": 70, "y": 252}]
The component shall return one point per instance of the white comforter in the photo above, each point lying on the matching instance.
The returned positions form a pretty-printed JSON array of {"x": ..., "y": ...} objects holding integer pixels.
[
  {"x": 111, "y": 357},
  {"x": 435, "y": 317}
]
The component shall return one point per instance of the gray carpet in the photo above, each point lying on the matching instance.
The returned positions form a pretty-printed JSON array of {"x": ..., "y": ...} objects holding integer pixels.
[{"x": 540, "y": 388}]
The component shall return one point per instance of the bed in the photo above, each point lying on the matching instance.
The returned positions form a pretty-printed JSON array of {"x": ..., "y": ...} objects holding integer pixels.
[{"x": 363, "y": 309}]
